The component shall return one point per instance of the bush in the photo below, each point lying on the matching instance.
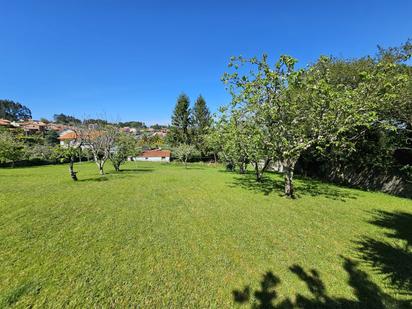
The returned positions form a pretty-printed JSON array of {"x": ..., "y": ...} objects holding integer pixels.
[
  {"x": 11, "y": 149},
  {"x": 39, "y": 152}
]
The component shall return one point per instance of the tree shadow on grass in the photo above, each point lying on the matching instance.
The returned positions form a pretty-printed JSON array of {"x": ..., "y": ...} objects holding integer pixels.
[
  {"x": 367, "y": 293},
  {"x": 266, "y": 185},
  {"x": 94, "y": 179},
  {"x": 392, "y": 259},
  {"x": 133, "y": 170},
  {"x": 304, "y": 187},
  {"x": 318, "y": 188},
  {"x": 14, "y": 294}
]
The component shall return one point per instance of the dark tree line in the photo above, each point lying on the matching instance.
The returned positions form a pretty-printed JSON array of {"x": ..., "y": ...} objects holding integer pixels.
[
  {"x": 133, "y": 124},
  {"x": 14, "y": 111},
  {"x": 71, "y": 120},
  {"x": 66, "y": 119},
  {"x": 190, "y": 126}
]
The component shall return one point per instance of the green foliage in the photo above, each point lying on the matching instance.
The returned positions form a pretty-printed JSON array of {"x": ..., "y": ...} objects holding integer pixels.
[
  {"x": 65, "y": 154},
  {"x": 97, "y": 121},
  {"x": 133, "y": 124},
  {"x": 181, "y": 121},
  {"x": 159, "y": 126},
  {"x": 39, "y": 152},
  {"x": 51, "y": 138},
  {"x": 66, "y": 119},
  {"x": 201, "y": 122},
  {"x": 184, "y": 152},
  {"x": 279, "y": 112},
  {"x": 384, "y": 83},
  {"x": 232, "y": 134},
  {"x": 213, "y": 140},
  {"x": 11, "y": 148},
  {"x": 11, "y": 110},
  {"x": 124, "y": 146},
  {"x": 407, "y": 171}
]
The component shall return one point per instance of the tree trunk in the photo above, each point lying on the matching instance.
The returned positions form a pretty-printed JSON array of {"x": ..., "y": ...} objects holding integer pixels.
[
  {"x": 242, "y": 169},
  {"x": 116, "y": 167},
  {"x": 100, "y": 166},
  {"x": 214, "y": 157},
  {"x": 230, "y": 166},
  {"x": 289, "y": 190},
  {"x": 71, "y": 169},
  {"x": 257, "y": 172}
]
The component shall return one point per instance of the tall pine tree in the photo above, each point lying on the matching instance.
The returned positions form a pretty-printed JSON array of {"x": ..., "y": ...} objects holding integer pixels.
[
  {"x": 202, "y": 121},
  {"x": 181, "y": 121}
]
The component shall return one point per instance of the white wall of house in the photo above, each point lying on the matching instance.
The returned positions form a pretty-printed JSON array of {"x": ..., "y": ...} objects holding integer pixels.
[{"x": 152, "y": 159}]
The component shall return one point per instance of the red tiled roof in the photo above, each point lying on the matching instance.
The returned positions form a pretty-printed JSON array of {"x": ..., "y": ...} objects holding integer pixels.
[
  {"x": 4, "y": 122},
  {"x": 68, "y": 135},
  {"x": 155, "y": 153}
]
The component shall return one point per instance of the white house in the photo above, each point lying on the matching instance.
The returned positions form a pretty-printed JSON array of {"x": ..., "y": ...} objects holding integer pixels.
[
  {"x": 157, "y": 155},
  {"x": 68, "y": 138}
]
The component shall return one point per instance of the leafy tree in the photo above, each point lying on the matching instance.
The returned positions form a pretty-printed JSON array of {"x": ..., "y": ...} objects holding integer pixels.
[
  {"x": 124, "y": 147},
  {"x": 51, "y": 138},
  {"x": 378, "y": 146},
  {"x": 301, "y": 108},
  {"x": 184, "y": 152},
  {"x": 11, "y": 149},
  {"x": 159, "y": 126},
  {"x": 213, "y": 140},
  {"x": 133, "y": 124},
  {"x": 233, "y": 135},
  {"x": 11, "y": 110},
  {"x": 96, "y": 121},
  {"x": 66, "y": 119},
  {"x": 181, "y": 121},
  {"x": 68, "y": 153},
  {"x": 201, "y": 122},
  {"x": 38, "y": 151},
  {"x": 256, "y": 146}
]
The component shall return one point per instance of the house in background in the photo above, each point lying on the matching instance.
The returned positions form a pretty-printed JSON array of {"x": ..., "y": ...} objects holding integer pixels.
[
  {"x": 67, "y": 138},
  {"x": 157, "y": 155},
  {"x": 5, "y": 123},
  {"x": 32, "y": 127},
  {"x": 58, "y": 127}
]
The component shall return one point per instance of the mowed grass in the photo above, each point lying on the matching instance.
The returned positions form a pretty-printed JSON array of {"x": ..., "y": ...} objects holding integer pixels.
[{"x": 158, "y": 235}]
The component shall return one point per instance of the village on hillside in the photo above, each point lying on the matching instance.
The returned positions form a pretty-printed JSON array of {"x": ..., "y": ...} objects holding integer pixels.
[
  {"x": 150, "y": 140},
  {"x": 30, "y": 126}
]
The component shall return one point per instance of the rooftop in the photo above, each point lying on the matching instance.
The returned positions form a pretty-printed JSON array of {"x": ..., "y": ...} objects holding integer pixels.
[{"x": 155, "y": 153}]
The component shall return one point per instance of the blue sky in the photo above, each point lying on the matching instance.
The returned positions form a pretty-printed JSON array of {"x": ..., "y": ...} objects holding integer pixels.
[{"x": 129, "y": 60}]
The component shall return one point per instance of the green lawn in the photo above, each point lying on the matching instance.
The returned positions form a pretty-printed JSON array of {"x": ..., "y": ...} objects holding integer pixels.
[{"x": 160, "y": 235}]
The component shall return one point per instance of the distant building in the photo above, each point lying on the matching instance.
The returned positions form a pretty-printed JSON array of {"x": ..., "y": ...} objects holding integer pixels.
[
  {"x": 67, "y": 138},
  {"x": 5, "y": 123},
  {"x": 156, "y": 155},
  {"x": 33, "y": 127},
  {"x": 57, "y": 127}
]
